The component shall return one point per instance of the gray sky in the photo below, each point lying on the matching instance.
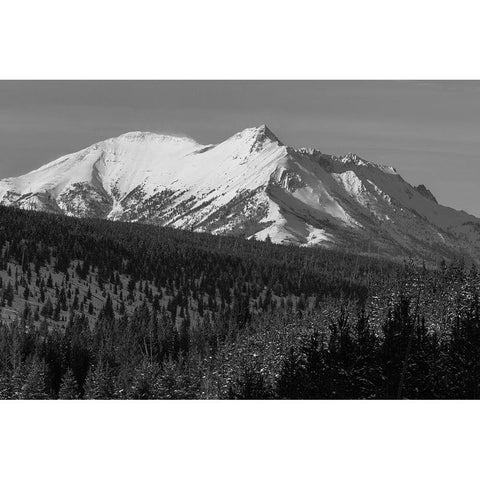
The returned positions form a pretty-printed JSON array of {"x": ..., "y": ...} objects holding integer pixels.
[{"x": 428, "y": 130}]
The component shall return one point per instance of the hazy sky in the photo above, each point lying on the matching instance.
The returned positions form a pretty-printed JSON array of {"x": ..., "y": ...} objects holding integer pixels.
[{"x": 430, "y": 131}]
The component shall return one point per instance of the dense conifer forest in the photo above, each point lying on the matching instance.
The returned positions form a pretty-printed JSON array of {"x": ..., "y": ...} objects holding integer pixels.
[{"x": 92, "y": 309}]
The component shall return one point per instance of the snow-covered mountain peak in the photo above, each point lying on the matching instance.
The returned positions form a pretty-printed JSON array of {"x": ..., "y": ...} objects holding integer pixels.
[
  {"x": 251, "y": 184},
  {"x": 265, "y": 133},
  {"x": 139, "y": 136},
  {"x": 260, "y": 135}
]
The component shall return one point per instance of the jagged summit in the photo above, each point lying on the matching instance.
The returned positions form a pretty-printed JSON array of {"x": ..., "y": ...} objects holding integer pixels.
[
  {"x": 356, "y": 159},
  {"x": 258, "y": 134},
  {"x": 423, "y": 190},
  {"x": 264, "y": 132},
  {"x": 252, "y": 185},
  {"x": 308, "y": 151},
  {"x": 353, "y": 157}
]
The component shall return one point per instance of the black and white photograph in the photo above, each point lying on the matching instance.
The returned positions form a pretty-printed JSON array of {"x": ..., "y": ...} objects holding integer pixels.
[
  {"x": 239, "y": 240},
  {"x": 208, "y": 255}
]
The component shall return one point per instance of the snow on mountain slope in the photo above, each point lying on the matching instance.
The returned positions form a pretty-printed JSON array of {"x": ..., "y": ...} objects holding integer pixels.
[{"x": 251, "y": 185}]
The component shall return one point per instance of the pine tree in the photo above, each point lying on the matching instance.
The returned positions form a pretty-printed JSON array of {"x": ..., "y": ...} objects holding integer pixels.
[
  {"x": 69, "y": 387},
  {"x": 144, "y": 383},
  {"x": 47, "y": 309},
  {"x": 8, "y": 294},
  {"x": 26, "y": 311},
  {"x": 99, "y": 383},
  {"x": 184, "y": 336},
  {"x": 5, "y": 387},
  {"x": 17, "y": 381},
  {"x": 56, "y": 312},
  {"x": 34, "y": 386},
  {"x": 289, "y": 382}
]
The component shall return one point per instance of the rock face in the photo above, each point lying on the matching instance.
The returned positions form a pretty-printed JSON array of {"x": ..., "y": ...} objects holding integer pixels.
[
  {"x": 251, "y": 185},
  {"x": 423, "y": 190}
]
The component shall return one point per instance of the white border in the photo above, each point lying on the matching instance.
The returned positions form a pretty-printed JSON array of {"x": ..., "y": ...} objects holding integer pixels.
[
  {"x": 187, "y": 39},
  {"x": 238, "y": 439},
  {"x": 245, "y": 39}
]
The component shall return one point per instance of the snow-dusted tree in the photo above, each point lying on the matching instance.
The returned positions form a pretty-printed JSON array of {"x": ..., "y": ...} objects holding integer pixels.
[
  {"x": 69, "y": 387},
  {"x": 34, "y": 386}
]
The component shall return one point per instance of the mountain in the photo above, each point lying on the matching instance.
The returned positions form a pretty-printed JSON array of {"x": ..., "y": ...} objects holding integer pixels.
[{"x": 250, "y": 185}]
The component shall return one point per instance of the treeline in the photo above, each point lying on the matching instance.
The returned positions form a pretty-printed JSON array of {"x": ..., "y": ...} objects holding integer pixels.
[{"x": 156, "y": 254}]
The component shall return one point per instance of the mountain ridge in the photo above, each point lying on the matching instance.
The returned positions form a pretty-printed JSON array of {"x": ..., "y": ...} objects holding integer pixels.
[{"x": 251, "y": 185}]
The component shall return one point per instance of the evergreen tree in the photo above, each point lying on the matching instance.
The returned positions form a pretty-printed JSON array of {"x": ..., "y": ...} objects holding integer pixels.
[
  {"x": 99, "y": 383},
  {"x": 47, "y": 309},
  {"x": 34, "y": 386},
  {"x": 69, "y": 387}
]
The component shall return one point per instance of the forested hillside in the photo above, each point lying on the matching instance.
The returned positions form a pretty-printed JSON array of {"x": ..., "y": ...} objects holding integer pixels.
[{"x": 99, "y": 309}]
